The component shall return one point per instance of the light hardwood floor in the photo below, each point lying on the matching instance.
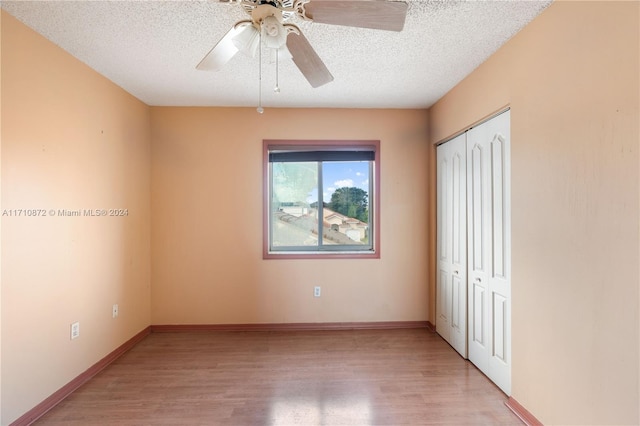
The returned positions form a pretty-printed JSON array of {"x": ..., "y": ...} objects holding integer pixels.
[{"x": 359, "y": 377}]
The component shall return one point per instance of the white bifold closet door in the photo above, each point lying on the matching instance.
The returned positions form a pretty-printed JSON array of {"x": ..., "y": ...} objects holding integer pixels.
[
  {"x": 489, "y": 243},
  {"x": 451, "y": 291},
  {"x": 473, "y": 293}
]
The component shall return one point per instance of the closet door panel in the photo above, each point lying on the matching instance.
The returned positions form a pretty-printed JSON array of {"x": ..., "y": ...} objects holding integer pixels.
[
  {"x": 451, "y": 305},
  {"x": 490, "y": 249},
  {"x": 443, "y": 311},
  {"x": 479, "y": 214},
  {"x": 479, "y": 335},
  {"x": 499, "y": 310},
  {"x": 498, "y": 206},
  {"x": 498, "y": 132},
  {"x": 459, "y": 246},
  {"x": 477, "y": 202},
  {"x": 443, "y": 292}
]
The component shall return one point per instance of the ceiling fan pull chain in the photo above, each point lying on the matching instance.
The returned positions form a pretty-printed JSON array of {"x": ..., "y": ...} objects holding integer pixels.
[
  {"x": 260, "y": 109},
  {"x": 277, "y": 88}
]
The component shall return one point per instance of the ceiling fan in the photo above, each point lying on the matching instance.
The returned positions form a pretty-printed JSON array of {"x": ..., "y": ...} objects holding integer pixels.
[{"x": 270, "y": 24}]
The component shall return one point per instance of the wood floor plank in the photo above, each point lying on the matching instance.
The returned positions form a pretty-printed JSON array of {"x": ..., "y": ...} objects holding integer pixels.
[{"x": 350, "y": 377}]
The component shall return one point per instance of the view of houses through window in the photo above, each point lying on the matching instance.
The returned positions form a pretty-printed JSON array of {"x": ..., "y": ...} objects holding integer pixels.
[{"x": 319, "y": 200}]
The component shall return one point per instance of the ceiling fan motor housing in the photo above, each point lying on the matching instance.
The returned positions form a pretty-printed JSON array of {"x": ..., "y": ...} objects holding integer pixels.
[{"x": 268, "y": 2}]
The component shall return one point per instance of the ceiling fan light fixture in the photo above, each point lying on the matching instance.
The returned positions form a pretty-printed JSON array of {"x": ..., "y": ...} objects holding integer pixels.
[
  {"x": 247, "y": 40},
  {"x": 274, "y": 34}
]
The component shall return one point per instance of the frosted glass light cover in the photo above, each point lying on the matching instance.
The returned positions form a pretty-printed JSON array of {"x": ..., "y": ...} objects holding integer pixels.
[{"x": 248, "y": 40}]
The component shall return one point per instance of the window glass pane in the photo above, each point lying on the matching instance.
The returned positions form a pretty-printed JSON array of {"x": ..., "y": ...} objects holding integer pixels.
[
  {"x": 321, "y": 199},
  {"x": 346, "y": 187},
  {"x": 294, "y": 190}
]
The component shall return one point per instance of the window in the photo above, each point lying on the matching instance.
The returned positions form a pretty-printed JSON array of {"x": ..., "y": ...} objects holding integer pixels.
[{"x": 321, "y": 199}]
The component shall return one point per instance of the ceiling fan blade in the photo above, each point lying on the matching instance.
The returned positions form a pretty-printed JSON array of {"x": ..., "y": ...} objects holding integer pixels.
[
  {"x": 221, "y": 52},
  {"x": 307, "y": 60},
  {"x": 374, "y": 14}
]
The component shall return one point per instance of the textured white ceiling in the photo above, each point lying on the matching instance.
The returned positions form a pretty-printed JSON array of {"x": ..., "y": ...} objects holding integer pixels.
[{"x": 151, "y": 49}]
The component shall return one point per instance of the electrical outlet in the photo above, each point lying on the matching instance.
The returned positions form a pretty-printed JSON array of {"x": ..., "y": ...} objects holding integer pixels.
[
  {"x": 75, "y": 330},
  {"x": 316, "y": 291},
  {"x": 115, "y": 310}
]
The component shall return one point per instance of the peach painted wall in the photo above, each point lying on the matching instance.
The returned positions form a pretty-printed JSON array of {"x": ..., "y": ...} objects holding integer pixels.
[
  {"x": 0, "y": 225},
  {"x": 207, "y": 220},
  {"x": 572, "y": 80},
  {"x": 71, "y": 139}
]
